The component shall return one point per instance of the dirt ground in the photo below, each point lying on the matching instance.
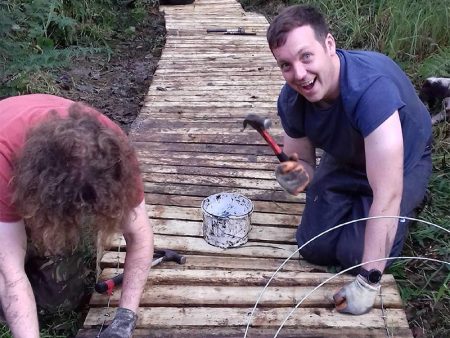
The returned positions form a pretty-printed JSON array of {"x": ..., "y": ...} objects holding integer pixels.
[{"x": 116, "y": 87}]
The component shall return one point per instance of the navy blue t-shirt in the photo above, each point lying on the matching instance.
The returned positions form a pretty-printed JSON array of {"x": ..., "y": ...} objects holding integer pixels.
[{"x": 372, "y": 88}]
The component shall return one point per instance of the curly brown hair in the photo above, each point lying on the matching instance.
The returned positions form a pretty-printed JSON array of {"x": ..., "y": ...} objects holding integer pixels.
[{"x": 73, "y": 171}]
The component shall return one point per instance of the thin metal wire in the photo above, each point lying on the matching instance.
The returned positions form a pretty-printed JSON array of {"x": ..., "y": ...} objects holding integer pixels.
[
  {"x": 107, "y": 315},
  {"x": 314, "y": 238},
  {"x": 383, "y": 314}
]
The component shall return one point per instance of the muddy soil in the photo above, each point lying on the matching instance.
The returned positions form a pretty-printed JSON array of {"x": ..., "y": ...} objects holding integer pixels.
[{"x": 117, "y": 85}]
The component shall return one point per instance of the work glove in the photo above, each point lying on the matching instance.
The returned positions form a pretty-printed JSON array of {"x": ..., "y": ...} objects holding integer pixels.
[
  {"x": 356, "y": 297},
  {"x": 292, "y": 176},
  {"x": 122, "y": 326}
]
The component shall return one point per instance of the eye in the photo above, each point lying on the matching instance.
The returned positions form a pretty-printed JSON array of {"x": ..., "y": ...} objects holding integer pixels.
[
  {"x": 284, "y": 67},
  {"x": 306, "y": 57}
]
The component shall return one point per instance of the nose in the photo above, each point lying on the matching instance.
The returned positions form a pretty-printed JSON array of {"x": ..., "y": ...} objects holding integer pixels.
[{"x": 299, "y": 72}]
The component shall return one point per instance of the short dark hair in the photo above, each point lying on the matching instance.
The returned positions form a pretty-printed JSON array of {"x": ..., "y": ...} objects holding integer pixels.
[{"x": 296, "y": 16}]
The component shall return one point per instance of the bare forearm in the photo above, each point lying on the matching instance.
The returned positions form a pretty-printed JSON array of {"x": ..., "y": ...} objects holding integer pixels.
[
  {"x": 137, "y": 265},
  {"x": 380, "y": 234},
  {"x": 19, "y": 308}
]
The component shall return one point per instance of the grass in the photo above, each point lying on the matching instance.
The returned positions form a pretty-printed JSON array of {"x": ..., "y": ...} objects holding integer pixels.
[
  {"x": 415, "y": 34},
  {"x": 42, "y": 35}
]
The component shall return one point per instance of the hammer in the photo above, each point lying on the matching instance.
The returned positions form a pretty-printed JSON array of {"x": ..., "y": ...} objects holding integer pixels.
[
  {"x": 261, "y": 125},
  {"x": 226, "y": 31},
  {"x": 161, "y": 255}
]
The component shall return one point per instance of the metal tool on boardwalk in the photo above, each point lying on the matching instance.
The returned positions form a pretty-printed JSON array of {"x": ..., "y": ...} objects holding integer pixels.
[
  {"x": 261, "y": 125},
  {"x": 227, "y": 31},
  {"x": 159, "y": 256}
]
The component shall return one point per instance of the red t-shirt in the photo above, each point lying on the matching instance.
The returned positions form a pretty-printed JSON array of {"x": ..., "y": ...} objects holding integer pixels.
[{"x": 17, "y": 115}]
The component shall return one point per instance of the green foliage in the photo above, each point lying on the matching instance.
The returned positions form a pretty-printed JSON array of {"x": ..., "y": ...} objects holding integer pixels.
[
  {"x": 59, "y": 325},
  {"x": 437, "y": 64},
  {"x": 42, "y": 35}
]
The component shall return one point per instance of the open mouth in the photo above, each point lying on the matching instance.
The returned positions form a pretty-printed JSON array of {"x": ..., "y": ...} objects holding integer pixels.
[{"x": 308, "y": 85}]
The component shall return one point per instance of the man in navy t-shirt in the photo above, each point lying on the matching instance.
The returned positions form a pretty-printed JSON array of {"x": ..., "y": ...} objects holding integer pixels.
[{"x": 363, "y": 111}]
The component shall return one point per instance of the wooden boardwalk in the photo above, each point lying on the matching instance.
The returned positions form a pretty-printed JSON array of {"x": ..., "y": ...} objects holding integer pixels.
[{"x": 190, "y": 144}]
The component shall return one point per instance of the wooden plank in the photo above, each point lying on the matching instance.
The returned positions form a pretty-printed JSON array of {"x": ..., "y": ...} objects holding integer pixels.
[
  {"x": 193, "y": 201},
  {"x": 239, "y": 296},
  {"x": 143, "y": 135},
  {"x": 232, "y": 317},
  {"x": 201, "y": 262},
  {"x": 244, "y": 278},
  {"x": 204, "y": 191},
  {"x": 228, "y": 158},
  {"x": 195, "y": 229},
  {"x": 183, "y": 213},
  {"x": 213, "y": 181},
  {"x": 236, "y": 332},
  {"x": 205, "y": 171},
  {"x": 207, "y": 163},
  {"x": 199, "y": 245}
]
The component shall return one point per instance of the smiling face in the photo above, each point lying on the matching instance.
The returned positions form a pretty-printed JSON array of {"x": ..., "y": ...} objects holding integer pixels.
[{"x": 309, "y": 66}]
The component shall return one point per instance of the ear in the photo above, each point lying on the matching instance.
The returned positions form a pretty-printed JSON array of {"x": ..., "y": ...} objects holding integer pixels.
[{"x": 330, "y": 44}]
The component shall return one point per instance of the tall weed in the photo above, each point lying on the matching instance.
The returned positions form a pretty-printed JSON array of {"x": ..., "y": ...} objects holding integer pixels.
[{"x": 40, "y": 35}]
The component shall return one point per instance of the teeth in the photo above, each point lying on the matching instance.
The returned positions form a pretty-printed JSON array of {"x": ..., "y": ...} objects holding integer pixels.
[{"x": 304, "y": 84}]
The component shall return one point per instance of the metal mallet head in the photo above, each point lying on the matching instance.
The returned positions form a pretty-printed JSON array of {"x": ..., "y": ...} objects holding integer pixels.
[{"x": 257, "y": 122}]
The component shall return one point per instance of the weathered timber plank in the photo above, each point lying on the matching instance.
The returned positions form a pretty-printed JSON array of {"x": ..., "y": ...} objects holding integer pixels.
[
  {"x": 239, "y": 296},
  {"x": 229, "y": 317},
  {"x": 215, "y": 92},
  {"x": 151, "y": 159},
  {"x": 202, "y": 262},
  {"x": 195, "y": 229},
  {"x": 236, "y": 332},
  {"x": 146, "y": 147},
  {"x": 199, "y": 245},
  {"x": 256, "y": 149},
  {"x": 194, "y": 214},
  {"x": 193, "y": 201},
  {"x": 204, "y": 191},
  {"x": 219, "y": 76},
  {"x": 217, "y": 89},
  {"x": 232, "y": 125},
  {"x": 200, "y": 32},
  {"x": 245, "y": 277},
  {"x": 257, "y": 183},
  {"x": 217, "y": 111},
  {"x": 143, "y": 135},
  {"x": 188, "y": 100},
  {"x": 230, "y": 158},
  {"x": 202, "y": 81},
  {"x": 205, "y": 171},
  {"x": 237, "y": 104}
]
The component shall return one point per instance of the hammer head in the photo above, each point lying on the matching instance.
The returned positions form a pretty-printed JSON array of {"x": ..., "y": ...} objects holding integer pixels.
[
  {"x": 257, "y": 122},
  {"x": 169, "y": 256}
]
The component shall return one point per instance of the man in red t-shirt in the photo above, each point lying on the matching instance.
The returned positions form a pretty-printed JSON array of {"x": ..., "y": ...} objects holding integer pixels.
[{"x": 65, "y": 168}]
